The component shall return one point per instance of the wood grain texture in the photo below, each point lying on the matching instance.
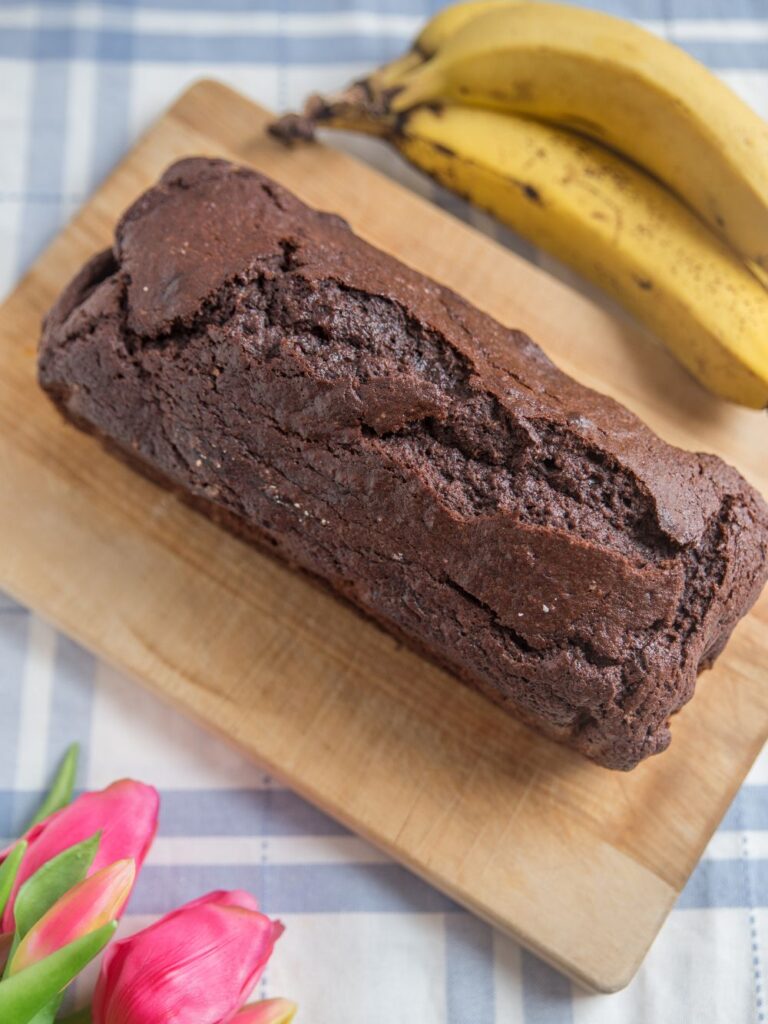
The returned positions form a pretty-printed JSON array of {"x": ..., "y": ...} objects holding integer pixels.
[{"x": 581, "y": 864}]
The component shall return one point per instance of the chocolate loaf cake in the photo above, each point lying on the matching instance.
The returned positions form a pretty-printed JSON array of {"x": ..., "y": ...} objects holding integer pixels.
[{"x": 320, "y": 398}]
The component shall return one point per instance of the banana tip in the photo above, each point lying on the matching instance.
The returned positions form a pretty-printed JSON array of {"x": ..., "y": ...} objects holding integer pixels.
[{"x": 292, "y": 129}]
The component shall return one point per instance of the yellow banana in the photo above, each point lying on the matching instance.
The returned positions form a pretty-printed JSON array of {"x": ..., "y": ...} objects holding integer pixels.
[
  {"x": 628, "y": 89},
  {"x": 609, "y": 220},
  {"x": 449, "y": 20},
  {"x": 434, "y": 35},
  {"x": 373, "y": 91}
]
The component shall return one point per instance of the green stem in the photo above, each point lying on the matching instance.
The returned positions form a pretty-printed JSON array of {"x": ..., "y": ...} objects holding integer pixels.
[
  {"x": 79, "y": 1017},
  {"x": 8, "y": 870},
  {"x": 62, "y": 787},
  {"x": 25, "y": 994}
]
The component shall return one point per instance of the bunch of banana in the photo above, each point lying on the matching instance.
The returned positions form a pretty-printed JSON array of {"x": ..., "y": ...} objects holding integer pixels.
[{"x": 530, "y": 109}]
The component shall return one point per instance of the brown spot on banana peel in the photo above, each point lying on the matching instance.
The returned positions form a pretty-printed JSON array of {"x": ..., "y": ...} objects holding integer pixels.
[
  {"x": 644, "y": 283},
  {"x": 445, "y": 178},
  {"x": 401, "y": 131},
  {"x": 529, "y": 191},
  {"x": 523, "y": 91}
]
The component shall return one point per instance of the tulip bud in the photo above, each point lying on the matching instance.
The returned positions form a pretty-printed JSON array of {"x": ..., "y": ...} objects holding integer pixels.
[
  {"x": 197, "y": 965},
  {"x": 268, "y": 1011},
  {"x": 93, "y": 903},
  {"x": 125, "y": 814}
]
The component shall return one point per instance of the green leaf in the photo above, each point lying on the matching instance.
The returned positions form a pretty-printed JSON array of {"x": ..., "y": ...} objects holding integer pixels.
[
  {"x": 80, "y": 1017},
  {"x": 51, "y": 881},
  {"x": 62, "y": 787},
  {"x": 48, "y": 1014},
  {"x": 11, "y": 954},
  {"x": 27, "y": 993},
  {"x": 8, "y": 871}
]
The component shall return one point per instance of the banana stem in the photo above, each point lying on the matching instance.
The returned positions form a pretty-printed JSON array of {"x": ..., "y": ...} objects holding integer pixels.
[{"x": 357, "y": 109}]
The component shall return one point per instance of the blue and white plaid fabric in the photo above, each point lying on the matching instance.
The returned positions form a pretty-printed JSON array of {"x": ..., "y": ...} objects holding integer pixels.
[{"x": 367, "y": 943}]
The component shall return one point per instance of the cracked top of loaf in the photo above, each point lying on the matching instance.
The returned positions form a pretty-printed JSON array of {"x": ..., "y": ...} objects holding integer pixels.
[{"x": 530, "y": 534}]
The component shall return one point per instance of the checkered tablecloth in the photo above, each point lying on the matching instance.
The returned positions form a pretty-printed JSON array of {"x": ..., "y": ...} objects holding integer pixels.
[{"x": 367, "y": 942}]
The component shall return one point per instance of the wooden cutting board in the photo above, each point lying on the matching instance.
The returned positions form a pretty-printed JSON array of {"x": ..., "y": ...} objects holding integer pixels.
[{"x": 579, "y": 863}]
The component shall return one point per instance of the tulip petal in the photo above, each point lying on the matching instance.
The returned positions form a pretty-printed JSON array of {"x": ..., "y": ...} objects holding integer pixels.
[
  {"x": 62, "y": 787},
  {"x": 222, "y": 898},
  {"x": 126, "y": 815},
  {"x": 268, "y": 1011},
  {"x": 96, "y": 901},
  {"x": 197, "y": 965},
  {"x": 8, "y": 871},
  {"x": 39, "y": 893},
  {"x": 30, "y": 991}
]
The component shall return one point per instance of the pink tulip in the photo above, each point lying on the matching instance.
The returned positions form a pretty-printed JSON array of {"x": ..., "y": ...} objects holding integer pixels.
[
  {"x": 197, "y": 965},
  {"x": 268, "y": 1011},
  {"x": 126, "y": 815},
  {"x": 96, "y": 901}
]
